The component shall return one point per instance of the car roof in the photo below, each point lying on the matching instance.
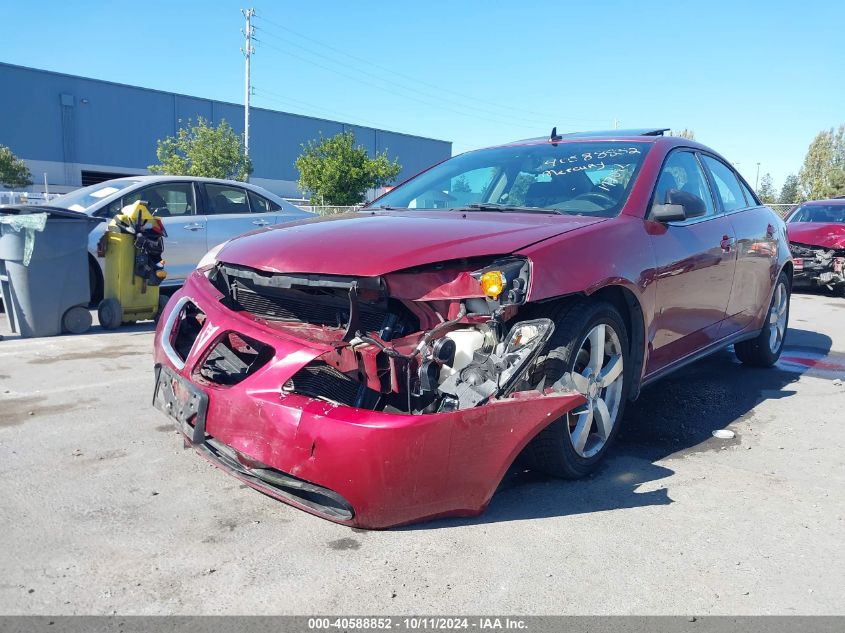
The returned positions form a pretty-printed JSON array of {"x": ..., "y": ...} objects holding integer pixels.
[
  {"x": 598, "y": 135},
  {"x": 151, "y": 179},
  {"x": 839, "y": 200},
  {"x": 637, "y": 135},
  {"x": 145, "y": 179}
]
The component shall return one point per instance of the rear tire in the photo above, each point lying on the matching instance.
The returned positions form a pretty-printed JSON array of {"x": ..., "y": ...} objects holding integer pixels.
[
  {"x": 765, "y": 349},
  {"x": 573, "y": 445}
]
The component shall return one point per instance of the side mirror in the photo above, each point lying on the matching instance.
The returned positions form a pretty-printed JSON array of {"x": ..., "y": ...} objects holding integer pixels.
[{"x": 679, "y": 205}]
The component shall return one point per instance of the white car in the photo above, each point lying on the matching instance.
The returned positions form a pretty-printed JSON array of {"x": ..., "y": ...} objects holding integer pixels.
[{"x": 198, "y": 213}]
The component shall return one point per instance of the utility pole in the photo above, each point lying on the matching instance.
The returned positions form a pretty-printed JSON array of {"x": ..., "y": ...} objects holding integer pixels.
[
  {"x": 757, "y": 179},
  {"x": 247, "y": 50}
]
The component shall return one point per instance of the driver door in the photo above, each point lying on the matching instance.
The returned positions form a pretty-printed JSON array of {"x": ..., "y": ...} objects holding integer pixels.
[
  {"x": 695, "y": 266},
  {"x": 175, "y": 204}
]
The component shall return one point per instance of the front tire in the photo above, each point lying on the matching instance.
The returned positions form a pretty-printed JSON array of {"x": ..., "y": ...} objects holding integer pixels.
[
  {"x": 590, "y": 342},
  {"x": 765, "y": 349}
]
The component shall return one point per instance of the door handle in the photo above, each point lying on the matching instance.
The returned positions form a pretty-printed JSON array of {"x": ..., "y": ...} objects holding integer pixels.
[
  {"x": 196, "y": 226},
  {"x": 727, "y": 243},
  {"x": 261, "y": 222}
]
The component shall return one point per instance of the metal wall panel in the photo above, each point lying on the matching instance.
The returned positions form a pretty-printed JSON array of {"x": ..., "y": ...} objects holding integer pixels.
[{"x": 115, "y": 125}]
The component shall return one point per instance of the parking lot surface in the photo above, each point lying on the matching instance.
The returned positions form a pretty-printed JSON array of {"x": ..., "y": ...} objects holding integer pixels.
[{"x": 102, "y": 511}]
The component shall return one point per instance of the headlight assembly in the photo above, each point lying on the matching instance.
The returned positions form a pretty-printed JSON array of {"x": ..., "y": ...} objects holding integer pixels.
[{"x": 505, "y": 280}]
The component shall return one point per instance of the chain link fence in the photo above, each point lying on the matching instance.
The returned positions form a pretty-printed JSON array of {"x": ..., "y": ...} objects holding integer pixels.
[
  {"x": 25, "y": 197},
  {"x": 329, "y": 209},
  {"x": 781, "y": 209}
]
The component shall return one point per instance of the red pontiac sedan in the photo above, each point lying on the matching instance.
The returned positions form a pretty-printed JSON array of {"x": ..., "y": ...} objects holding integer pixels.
[
  {"x": 387, "y": 366},
  {"x": 817, "y": 239}
]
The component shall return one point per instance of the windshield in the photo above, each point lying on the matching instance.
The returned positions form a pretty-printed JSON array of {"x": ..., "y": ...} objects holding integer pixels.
[
  {"x": 819, "y": 213},
  {"x": 82, "y": 199},
  {"x": 591, "y": 178}
]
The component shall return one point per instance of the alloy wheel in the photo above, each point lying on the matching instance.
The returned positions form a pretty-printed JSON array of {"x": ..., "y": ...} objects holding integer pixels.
[
  {"x": 598, "y": 375},
  {"x": 777, "y": 317}
]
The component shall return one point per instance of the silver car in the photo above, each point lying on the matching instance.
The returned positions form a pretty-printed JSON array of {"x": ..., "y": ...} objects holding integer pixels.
[{"x": 198, "y": 213}]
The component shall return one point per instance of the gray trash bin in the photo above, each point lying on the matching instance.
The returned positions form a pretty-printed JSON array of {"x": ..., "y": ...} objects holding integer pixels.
[{"x": 49, "y": 293}]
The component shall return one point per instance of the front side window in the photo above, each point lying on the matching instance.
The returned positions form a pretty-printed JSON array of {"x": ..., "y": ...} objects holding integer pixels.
[
  {"x": 682, "y": 172},
  {"x": 727, "y": 185},
  {"x": 176, "y": 198},
  {"x": 223, "y": 199},
  {"x": 579, "y": 178},
  {"x": 827, "y": 213}
]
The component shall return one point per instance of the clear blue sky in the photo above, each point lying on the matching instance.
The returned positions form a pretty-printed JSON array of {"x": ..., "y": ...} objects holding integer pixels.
[{"x": 756, "y": 80}]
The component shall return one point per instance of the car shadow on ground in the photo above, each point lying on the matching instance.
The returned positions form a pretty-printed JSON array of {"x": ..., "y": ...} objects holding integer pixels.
[{"x": 675, "y": 416}]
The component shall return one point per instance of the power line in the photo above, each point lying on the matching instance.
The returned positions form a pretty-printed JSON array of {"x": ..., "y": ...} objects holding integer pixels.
[
  {"x": 432, "y": 104},
  {"x": 274, "y": 96},
  {"x": 501, "y": 117},
  {"x": 344, "y": 119},
  {"x": 416, "y": 81}
]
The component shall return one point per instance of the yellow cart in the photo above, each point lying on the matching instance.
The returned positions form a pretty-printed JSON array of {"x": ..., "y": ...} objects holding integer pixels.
[{"x": 132, "y": 247}]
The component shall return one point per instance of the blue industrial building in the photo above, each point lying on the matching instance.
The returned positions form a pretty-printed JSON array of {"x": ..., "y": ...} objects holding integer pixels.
[{"x": 81, "y": 131}]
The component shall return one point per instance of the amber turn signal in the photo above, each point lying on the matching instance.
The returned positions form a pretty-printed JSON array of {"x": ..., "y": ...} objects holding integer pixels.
[{"x": 492, "y": 283}]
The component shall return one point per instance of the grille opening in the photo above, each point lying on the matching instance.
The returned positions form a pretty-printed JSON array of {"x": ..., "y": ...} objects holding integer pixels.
[
  {"x": 187, "y": 328},
  {"x": 234, "y": 358},
  {"x": 320, "y": 380},
  {"x": 310, "y": 302}
]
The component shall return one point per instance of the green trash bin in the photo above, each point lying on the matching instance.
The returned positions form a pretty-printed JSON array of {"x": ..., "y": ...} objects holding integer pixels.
[{"x": 44, "y": 269}]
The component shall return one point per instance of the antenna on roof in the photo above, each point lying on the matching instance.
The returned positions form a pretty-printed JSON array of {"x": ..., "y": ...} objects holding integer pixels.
[{"x": 555, "y": 137}]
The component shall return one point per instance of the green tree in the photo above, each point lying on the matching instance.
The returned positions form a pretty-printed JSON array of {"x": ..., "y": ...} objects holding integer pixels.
[
  {"x": 461, "y": 185},
  {"x": 766, "y": 190},
  {"x": 339, "y": 173},
  {"x": 823, "y": 172},
  {"x": 685, "y": 133},
  {"x": 14, "y": 173},
  {"x": 203, "y": 150},
  {"x": 790, "y": 193}
]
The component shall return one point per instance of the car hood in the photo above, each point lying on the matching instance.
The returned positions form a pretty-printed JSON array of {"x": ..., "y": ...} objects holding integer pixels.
[
  {"x": 368, "y": 244},
  {"x": 826, "y": 235}
]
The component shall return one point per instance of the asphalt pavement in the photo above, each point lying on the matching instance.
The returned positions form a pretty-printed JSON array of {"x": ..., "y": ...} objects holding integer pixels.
[{"x": 102, "y": 511}]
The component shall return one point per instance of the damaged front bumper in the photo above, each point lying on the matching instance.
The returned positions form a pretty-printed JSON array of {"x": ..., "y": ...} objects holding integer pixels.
[
  {"x": 817, "y": 266},
  {"x": 359, "y": 467}
]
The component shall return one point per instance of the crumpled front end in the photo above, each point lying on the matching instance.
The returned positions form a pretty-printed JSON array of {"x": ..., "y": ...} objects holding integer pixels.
[
  {"x": 818, "y": 266},
  {"x": 373, "y": 401}
]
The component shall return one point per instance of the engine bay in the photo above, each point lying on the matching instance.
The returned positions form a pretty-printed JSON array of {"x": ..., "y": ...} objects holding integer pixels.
[{"x": 440, "y": 338}]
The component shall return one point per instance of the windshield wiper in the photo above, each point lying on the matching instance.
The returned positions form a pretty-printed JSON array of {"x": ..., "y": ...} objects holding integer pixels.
[{"x": 506, "y": 208}]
